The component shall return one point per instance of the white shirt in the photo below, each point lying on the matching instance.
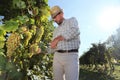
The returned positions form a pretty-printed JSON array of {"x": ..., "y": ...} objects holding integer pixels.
[{"x": 69, "y": 29}]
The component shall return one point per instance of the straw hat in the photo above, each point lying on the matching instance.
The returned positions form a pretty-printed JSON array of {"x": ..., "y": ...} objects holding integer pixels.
[{"x": 55, "y": 10}]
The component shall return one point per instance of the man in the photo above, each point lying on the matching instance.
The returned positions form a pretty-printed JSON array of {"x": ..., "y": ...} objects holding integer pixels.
[{"x": 65, "y": 43}]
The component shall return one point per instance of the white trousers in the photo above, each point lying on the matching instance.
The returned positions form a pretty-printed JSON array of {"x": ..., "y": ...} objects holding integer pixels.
[{"x": 66, "y": 66}]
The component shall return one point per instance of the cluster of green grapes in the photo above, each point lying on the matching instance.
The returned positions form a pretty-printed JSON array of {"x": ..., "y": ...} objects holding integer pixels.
[
  {"x": 31, "y": 38},
  {"x": 33, "y": 49},
  {"x": 26, "y": 35},
  {"x": 12, "y": 43},
  {"x": 39, "y": 33},
  {"x": 33, "y": 29}
]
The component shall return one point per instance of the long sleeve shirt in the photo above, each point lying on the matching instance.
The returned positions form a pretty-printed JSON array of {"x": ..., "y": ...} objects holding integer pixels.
[{"x": 69, "y": 29}]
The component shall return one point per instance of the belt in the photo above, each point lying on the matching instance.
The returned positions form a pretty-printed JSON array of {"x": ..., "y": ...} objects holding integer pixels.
[{"x": 63, "y": 51}]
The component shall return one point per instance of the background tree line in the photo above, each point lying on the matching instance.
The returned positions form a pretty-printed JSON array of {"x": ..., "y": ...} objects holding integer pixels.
[{"x": 104, "y": 54}]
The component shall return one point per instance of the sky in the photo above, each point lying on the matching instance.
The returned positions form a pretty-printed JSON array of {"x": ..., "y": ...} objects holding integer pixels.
[
  {"x": 98, "y": 19},
  {"x": 1, "y": 17}
]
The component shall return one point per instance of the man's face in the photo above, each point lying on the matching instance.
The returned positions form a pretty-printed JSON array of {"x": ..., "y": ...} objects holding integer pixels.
[{"x": 58, "y": 18}]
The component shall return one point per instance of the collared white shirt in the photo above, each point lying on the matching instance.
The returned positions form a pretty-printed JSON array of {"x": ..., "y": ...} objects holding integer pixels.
[{"x": 69, "y": 29}]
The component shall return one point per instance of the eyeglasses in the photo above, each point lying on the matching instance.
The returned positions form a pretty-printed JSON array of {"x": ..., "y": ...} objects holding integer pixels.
[{"x": 56, "y": 15}]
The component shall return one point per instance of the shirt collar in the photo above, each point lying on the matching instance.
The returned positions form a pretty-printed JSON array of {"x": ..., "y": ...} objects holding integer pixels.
[{"x": 62, "y": 22}]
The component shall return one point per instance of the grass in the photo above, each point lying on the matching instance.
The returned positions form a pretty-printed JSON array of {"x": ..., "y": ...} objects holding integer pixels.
[{"x": 86, "y": 74}]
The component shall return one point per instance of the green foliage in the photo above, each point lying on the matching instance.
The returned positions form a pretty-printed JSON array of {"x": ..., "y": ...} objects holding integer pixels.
[
  {"x": 10, "y": 26},
  {"x": 19, "y": 4},
  {"x": 94, "y": 75},
  {"x": 2, "y": 40},
  {"x": 30, "y": 29},
  {"x": 88, "y": 74},
  {"x": 2, "y": 61},
  {"x": 22, "y": 19},
  {"x": 2, "y": 32}
]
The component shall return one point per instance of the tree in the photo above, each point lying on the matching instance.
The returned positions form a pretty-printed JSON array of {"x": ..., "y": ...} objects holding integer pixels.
[
  {"x": 114, "y": 42},
  {"x": 98, "y": 54}
]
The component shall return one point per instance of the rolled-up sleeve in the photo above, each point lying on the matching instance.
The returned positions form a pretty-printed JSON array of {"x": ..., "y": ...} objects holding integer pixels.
[{"x": 72, "y": 30}]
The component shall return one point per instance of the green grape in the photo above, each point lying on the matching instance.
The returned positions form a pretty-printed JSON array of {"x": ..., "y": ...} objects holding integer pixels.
[
  {"x": 12, "y": 43},
  {"x": 23, "y": 29},
  {"x": 33, "y": 49},
  {"x": 27, "y": 37},
  {"x": 33, "y": 29},
  {"x": 39, "y": 34}
]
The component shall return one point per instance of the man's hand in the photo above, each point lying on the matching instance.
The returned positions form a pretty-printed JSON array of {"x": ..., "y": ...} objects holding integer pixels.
[
  {"x": 54, "y": 43},
  {"x": 60, "y": 38},
  {"x": 38, "y": 51}
]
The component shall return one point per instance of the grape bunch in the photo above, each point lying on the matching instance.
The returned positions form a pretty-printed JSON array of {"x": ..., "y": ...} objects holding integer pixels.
[
  {"x": 33, "y": 49},
  {"x": 12, "y": 43},
  {"x": 26, "y": 34},
  {"x": 39, "y": 34}
]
